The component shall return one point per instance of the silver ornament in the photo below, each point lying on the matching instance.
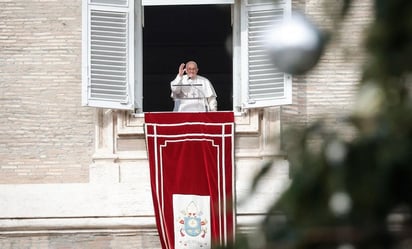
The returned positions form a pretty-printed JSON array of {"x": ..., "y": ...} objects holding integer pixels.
[{"x": 295, "y": 45}]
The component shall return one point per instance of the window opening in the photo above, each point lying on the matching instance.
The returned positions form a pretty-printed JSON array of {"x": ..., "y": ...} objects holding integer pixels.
[{"x": 176, "y": 34}]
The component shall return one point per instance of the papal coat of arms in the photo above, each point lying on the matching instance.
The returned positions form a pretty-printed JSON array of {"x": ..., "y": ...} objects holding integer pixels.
[{"x": 191, "y": 221}]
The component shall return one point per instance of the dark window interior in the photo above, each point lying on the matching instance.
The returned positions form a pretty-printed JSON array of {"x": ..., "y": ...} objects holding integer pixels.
[{"x": 177, "y": 34}]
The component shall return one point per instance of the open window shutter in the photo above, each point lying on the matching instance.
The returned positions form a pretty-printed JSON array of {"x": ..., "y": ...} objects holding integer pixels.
[
  {"x": 263, "y": 84},
  {"x": 108, "y": 55}
]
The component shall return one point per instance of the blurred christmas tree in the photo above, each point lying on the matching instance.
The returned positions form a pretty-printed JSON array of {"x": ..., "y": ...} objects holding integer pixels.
[{"x": 356, "y": 194}]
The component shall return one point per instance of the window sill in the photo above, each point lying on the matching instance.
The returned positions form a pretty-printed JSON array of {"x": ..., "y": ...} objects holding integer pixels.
[{"x": 133, "y": 124}]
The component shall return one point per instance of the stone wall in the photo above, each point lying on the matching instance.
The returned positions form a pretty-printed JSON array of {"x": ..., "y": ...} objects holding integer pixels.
[
  {"x": 82, "y": 240},
  {"x": 45, "y": 134},
  {"x": 328, "y": 91}
]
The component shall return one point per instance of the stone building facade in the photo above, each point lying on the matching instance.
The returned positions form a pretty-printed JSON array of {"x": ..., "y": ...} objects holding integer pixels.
[{"x": 77, "y": 177}]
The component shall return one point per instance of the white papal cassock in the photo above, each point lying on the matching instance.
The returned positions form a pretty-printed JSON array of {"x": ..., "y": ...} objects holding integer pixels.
[{"x": 193, "y": 95}]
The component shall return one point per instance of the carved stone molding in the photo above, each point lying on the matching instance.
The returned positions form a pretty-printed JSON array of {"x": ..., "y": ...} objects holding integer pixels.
[{"x": 129, "y": 123}]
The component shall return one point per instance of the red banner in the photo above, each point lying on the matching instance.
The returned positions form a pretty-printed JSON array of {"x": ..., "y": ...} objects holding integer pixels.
[{"x": 191, "y": 159}]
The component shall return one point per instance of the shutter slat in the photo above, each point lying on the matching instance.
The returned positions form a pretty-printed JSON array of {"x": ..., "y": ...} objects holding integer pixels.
[
  {"x": 111, "y": 2},
  {"x": 103, "y": 73},
  {"x": 113, "y": 54},
  {"x": 115, "y": 64},
  {"x": 255, "y": 2},
  {"x": 105, "y": 87},
  {"x": 106, "y": 83},
  {"x": 268, "y": 77}
]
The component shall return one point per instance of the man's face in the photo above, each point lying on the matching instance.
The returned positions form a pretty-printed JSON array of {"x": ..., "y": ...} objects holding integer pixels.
[{"x": 191, "y": 70}]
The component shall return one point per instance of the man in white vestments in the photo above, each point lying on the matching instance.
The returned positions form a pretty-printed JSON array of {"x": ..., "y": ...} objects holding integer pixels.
[{"x": 192, "y": 92}]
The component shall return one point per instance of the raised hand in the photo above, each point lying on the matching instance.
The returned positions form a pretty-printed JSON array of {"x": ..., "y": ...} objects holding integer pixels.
[{"x": 182, "y": 69}]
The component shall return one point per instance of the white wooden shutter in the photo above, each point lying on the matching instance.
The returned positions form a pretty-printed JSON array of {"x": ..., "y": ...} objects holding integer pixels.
[
  {"x": 108, "y": 54},
  {"x": 262, "y": 83}
]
